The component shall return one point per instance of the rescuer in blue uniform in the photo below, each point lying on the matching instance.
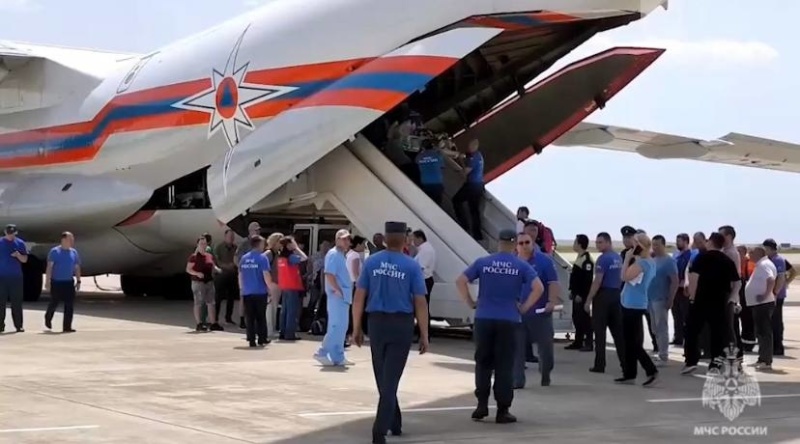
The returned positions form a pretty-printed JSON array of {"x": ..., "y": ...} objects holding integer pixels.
[
  {"x": 498, "y": 311},
  {"x": 392, "y": 288}
]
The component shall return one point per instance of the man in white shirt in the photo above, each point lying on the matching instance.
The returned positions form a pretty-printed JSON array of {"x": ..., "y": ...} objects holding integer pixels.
[
  {"x": 426, "y": 258},
  {"x": 759, "y": 295}
]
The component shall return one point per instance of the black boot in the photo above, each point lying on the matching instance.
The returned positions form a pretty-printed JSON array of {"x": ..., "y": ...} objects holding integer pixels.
[
  {"x": 504, "y": 417},
  {"x": 481, "y": 412}
]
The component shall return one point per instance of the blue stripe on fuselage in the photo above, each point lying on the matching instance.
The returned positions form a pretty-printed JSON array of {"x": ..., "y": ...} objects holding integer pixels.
[{"x": 393, "y": 81}]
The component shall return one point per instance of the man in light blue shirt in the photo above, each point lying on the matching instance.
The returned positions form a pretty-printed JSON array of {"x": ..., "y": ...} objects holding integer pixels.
[
  {"x": 339, "y": 296},
  {"x": 661, "y": 295}
]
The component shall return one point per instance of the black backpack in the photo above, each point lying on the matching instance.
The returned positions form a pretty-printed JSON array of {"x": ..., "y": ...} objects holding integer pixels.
[{"x": 319, "y": 327}]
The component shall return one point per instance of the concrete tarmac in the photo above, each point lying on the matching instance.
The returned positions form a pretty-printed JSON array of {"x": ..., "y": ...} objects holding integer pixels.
[{"x": 136, "y": 372}]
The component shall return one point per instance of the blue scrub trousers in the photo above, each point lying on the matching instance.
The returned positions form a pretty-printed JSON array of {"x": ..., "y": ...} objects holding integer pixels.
[
  {"x": 338, "y": 319},
  {"x": 290, "y": 309},
  {"x": 534, "y": 329}
]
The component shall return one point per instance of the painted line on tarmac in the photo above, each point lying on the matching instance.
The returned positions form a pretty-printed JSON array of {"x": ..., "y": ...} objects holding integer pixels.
[
  {"x": 372, "y": 412},
  {"x": 782, "y": 395},
  {"x": 50, "y": 429}
]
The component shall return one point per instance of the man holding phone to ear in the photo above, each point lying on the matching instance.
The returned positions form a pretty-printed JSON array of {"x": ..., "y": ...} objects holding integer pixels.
[{"x": 13, "y": 253}]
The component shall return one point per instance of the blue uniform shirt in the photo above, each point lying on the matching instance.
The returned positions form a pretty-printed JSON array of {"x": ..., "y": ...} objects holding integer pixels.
[
  {"x": 9, "y": 265},
  {"x": 682, "y": 261},
  {"x": 475, "y": 161},
  {"x": 430, "y": 164},
  {"x": 502, "y": 277},
  {"x": 609, "y": 264},
  {"x": 666, "y": 268},
  {"x": 64, "y": 261},
  {"x": 693, "y": 255},
  {"x": 780, "y": 266},
  {"x": 635, "y": 295},
  {"x": 336, "y": 264},
  {"x": 252, "y": 267},
  {"x": 545, "y": 267},
  {"x": 391, "y": 280}
]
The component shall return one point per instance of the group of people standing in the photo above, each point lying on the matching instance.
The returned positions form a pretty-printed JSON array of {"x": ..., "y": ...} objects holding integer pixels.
[
  {"x": 720, "y": 295},
  {"x": 260, "y": 273}
]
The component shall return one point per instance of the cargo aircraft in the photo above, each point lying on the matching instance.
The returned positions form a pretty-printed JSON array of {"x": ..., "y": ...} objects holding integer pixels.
[{"x": 274, "y": 116}]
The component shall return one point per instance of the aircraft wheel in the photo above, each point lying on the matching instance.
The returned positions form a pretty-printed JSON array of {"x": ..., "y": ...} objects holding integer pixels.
[
  {"x": 32, "y": 279},
  {"x": 175, "y": 288},
  {"x": 133, "y": 286}
]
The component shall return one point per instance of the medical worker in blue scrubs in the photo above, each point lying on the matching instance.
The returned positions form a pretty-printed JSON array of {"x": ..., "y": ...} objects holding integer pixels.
[
  {"x": 339, "y": 296},
  {"x": 392, "y": 288},
  {"x": 502, "y": 277}
]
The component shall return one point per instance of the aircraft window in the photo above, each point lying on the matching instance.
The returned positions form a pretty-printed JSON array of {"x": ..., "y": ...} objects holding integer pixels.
[
  {"x": 66, "y": 187},
  {"x": 327, "y": 234},
  {"x": 303, "y": 238}
]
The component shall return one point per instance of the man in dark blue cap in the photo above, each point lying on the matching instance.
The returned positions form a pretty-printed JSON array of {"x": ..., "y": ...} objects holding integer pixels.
[
  {"x": 392, "y": 288},
  {"x": 498, "y": 311},
  {"x": 13, "y": 253}
]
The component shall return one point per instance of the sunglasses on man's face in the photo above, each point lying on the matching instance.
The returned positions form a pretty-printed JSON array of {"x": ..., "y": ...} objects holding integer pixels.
[{"x": 524, "y": 243}]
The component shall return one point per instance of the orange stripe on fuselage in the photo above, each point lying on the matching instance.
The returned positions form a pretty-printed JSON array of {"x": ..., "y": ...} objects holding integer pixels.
[
  {"x": 430, "y": 65},
  {"x": 305, "y": 73}
]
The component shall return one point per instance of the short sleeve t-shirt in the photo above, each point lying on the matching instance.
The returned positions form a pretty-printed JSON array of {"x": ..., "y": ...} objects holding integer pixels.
[
  {"x": 475, "y": 161},
  {"x": 9, "y": 265},
  {"x": 352, "y": 257},
  {"x": 634, "y": 294},
  {"x": 666, "y": 269},
  {"x": 502, "y": 277},
  {"x": 202, "y": 263},
  {"x": 716, "y": 273},
  {"x": 64, "y": 262},
  {"x": 391, "y": 280},
  {"x": 336, "y": 265},
  {"x": 545, "y": 267},
  {"x": 252, "y": 267},
  {"x": 609, "y": 264},
  {"x": 430, "y": 164},
  {"x": 757, "y": 284},
  {"x": 780, "y": 266}
]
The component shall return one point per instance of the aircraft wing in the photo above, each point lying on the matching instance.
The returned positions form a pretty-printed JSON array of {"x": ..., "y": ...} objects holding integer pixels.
[
  {"x": 732, "y": 149},
  {"x": 297, "y": 138},
  {"x": 38, "y": 76}
]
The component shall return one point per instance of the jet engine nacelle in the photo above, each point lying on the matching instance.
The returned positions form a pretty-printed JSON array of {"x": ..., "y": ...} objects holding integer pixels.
[{"x": 45, "y": 205}]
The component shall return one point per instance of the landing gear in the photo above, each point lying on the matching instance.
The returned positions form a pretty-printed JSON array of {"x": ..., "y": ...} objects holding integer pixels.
[
  {"x": 175, "y": 287},
  {"x": 32, "y": 279}
]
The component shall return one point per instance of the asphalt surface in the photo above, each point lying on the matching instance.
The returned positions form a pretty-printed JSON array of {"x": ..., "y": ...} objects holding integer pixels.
[{"x": 136, "y": 372}]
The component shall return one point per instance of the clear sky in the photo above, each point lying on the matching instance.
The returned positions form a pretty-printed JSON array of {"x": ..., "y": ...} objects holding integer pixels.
[{"x": 727, "y": 68}]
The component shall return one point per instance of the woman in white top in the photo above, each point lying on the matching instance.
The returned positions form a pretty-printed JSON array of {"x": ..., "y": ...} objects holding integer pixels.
[{"x": 355, "y": 263}]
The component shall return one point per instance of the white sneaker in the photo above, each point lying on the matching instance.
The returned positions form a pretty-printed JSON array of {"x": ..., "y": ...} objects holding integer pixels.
[
  {"x": 660, "y": 362},
  {"x": 688, "y": 369},
  {"x": 346, "y": 363},
  {"x": 323, "y": 360}
]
